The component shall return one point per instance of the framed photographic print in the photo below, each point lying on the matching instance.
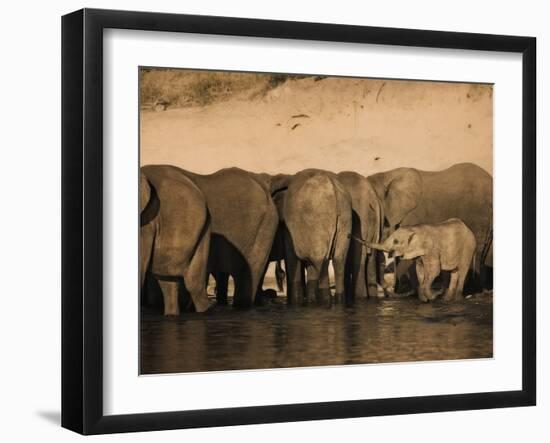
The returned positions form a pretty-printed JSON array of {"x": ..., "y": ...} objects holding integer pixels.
[{"x": 269, "y": 221}]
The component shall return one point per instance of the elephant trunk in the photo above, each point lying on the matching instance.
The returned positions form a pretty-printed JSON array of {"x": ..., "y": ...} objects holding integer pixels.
[{"x": 378, "y": 246}]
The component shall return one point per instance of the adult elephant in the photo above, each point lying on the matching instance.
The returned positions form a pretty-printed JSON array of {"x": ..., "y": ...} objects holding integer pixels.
[
  {"x": 174, "y": 235},
  {"x": 367, "y": 224},
  {"x": 318, "y": 220},
  {"x": 244, "y": 222},
  {"x": 463, "y": 191}
]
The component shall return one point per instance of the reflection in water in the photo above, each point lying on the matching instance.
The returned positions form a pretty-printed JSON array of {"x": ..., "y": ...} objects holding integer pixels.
[{"x": 279, "y": 336}]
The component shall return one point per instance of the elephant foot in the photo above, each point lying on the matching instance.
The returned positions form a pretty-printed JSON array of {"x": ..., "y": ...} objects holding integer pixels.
[
  {"x": 434, "y": 295},
  {"x": 339, "y": 297},
  {"x": 295, "y": 295},
  {"x": 423, "y": 298},
  {"x": 323, "y": 295},
  {"x": 202, "y": 304},
  {"x": 171, "y": 309},
  {"x": 372, "y": 291},
  {"x": 311, "y": 290}
]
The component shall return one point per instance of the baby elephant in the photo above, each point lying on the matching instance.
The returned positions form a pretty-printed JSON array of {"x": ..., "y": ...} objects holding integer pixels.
[{"x": 446, "y": 246}]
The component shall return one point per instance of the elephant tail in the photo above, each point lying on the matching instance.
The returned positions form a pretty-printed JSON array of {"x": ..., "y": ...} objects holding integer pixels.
[
  {"x": 486, "y": 246},
  {"x": 204, "y": 230},
  {"x": 332, "y": 244},
  {"x": 151, "y": 209}
]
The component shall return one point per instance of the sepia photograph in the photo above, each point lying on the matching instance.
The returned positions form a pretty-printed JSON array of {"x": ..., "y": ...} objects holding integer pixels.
[{"x": 301, "y": 220}]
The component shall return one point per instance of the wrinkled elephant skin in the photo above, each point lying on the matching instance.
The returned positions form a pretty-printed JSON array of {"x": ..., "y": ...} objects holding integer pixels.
[{"x": 174, "y": 235}]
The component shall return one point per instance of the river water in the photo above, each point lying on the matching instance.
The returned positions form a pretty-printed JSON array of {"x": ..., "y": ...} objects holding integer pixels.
[{"x": 396, "y": 329}]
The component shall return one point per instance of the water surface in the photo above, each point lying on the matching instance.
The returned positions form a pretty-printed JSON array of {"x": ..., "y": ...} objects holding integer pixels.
[{"x": 276, "y": 335}]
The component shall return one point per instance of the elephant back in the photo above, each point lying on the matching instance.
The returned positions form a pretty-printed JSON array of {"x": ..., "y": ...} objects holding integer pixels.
[{"x": 239, "y": 204}]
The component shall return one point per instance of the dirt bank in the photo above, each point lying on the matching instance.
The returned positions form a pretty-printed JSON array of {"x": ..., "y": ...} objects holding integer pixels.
[{"x": 335, "y": 123}]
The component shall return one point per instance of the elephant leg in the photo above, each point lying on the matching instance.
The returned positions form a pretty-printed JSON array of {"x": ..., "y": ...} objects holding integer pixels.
[
  {"x": 477, "y": 279},
  {"x": 381, "y": 267},
  {"x": 294, "y": 273},
  {"x": 222, "y": 283},
  {"x": 169, "y": 290},
  {"x": 406, "y": 281},
  {"x": 421, "y": 275},
  {"x": 420, "y": 271},
  {"x": 462, "y": 272},
  {"x": 243, "y": 288},
  {"x": 450, "y": 293},
  {"x": 259, "y": 300},
  {"x": 146, "y": 237},
  {"x": 380, "y": 260},
  {"x": 357, "y": 268},
  {"x": 395, "y": 275},
  {"x": 341, "y": 249},
  {"x": 244, "y": 296},
  {"x": 348, "y": 275},
  {"x": 339, "y": 264},
  {"x": 194, "y": 275},
  {"x": 323, "y": 294},
  {"x": 312, "y": 284},
  {"x": 371, "y": 277},
  {"x": 258, "y": 257},
  {"x": 431, "y": 270},
  {"x": 263, "y": 296}
]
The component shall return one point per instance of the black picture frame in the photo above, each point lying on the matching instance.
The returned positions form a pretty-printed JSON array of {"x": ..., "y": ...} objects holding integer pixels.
[{"x": 82, "y": 219}]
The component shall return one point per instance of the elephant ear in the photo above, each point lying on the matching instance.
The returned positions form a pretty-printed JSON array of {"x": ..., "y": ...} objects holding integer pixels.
[
  {"x": 416, "y": 246},
  {"x": 144, "y": 192},
  {"x": 403, "y": 194}
]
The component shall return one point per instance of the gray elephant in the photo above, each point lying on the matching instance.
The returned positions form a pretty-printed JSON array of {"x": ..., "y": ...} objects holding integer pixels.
[
  {"x": 367, "y": 224},
  {"x": 244, "y": 223},
  {"x": 318, "y": 223},
  {"x": 447, "y": 246},
  {"x": 174, "y": 235},
  {"x": 463, "y": 191}
]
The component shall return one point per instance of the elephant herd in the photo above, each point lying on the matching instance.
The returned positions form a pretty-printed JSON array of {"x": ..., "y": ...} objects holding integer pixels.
[{"x": 234, "y": 223}]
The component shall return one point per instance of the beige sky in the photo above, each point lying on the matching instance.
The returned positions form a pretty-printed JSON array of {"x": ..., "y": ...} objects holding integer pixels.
[{"x": 363, "y": 125}]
